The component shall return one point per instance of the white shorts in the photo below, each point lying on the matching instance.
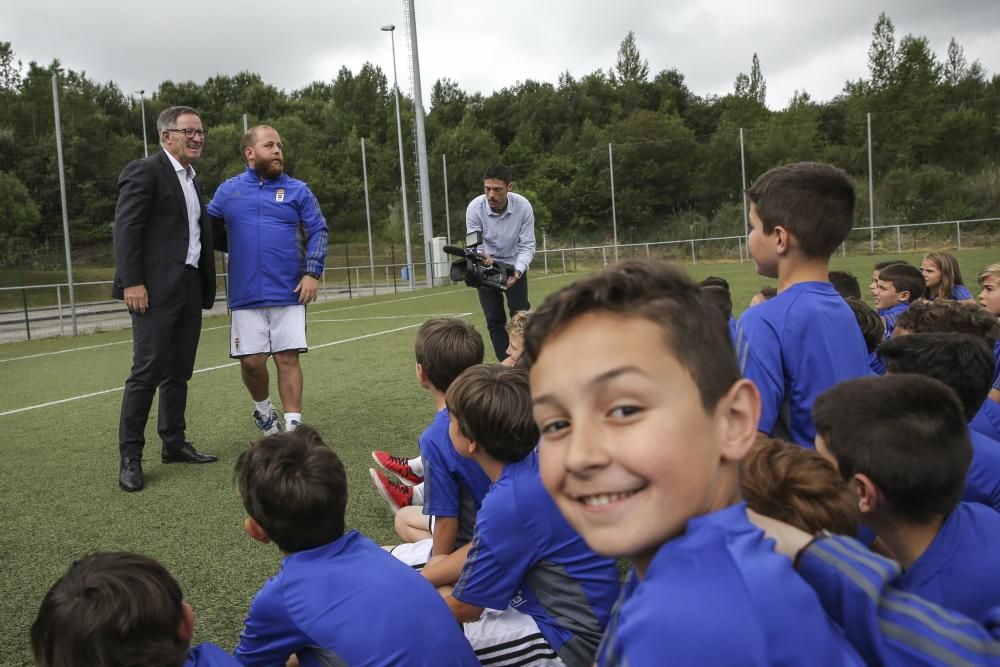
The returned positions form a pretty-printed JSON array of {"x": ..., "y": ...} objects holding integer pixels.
[
  {"x": 267, "y": 330},
  {"x": 509, "y": 638},
  {"x": 414, "y": 554}
]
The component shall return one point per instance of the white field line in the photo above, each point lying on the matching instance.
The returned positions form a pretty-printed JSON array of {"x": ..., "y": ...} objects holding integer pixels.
[
  {"x": 226, "y": 326},
  {"x": 206, "y": 370}
]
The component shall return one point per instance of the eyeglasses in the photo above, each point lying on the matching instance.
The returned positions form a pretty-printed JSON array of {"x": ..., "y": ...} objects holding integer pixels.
[{"x": 189, "y": 132}]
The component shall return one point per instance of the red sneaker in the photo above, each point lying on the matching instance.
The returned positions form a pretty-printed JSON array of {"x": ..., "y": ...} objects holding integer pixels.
[
  {"x": 398, "y": 466},
  {"x": 396, "y": 494}
]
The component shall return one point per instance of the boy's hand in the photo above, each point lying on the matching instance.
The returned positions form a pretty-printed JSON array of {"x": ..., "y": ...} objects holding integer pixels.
[{"x": 788, "y": 539}]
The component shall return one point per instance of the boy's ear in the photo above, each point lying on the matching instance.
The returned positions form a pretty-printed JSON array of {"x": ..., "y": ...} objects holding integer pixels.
[
  {"x": 186, "y": 629},
  {"x": 421, "y": 374},
  {"x": 782, "y": 240},
  {"x": 866, "y": 492},
  {"x": 737, "y": 414},
  {"x": 253, "y": 529},
  {"x": 908, "y": 298}
]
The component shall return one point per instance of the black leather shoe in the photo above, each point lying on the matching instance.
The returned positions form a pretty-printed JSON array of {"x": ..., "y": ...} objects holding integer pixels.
[
  {"x": 130, "y": 474},
  {"x": 186, "y": 453}
]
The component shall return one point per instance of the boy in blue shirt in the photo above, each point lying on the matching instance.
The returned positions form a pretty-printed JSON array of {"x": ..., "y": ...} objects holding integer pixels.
[
  {"x": 118, "y": 610},
  {"x": 453, "y": 487},
  {"x": 964, "y": 364},
  {"x": 804, "y": 340},
  {"x": 888, "y": 627},
  {"x": 640, "y": 451},
  {"x": 898, "y": 286},
  {"x": 530, "y": 587},
  {"x": 902, "y": 443},
  {"x": 327, "y": 604}
]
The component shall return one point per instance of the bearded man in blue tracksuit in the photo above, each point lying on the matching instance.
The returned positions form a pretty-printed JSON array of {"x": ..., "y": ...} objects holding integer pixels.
[{"x": 277, "y": 239}]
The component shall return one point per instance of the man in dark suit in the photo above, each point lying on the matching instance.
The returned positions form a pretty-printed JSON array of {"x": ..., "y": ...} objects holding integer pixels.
[{"x": 165, "y": 273}]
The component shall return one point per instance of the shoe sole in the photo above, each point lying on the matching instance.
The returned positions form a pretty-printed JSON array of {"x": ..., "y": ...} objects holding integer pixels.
[
  {"x": 402, "y": 480},
  {"x": 382, "y": 492},
  {"x": 129, "y": 489}
]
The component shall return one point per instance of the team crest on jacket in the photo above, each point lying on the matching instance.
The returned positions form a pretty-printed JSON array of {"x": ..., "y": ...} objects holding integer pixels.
[{"x": 279, "y": 195}]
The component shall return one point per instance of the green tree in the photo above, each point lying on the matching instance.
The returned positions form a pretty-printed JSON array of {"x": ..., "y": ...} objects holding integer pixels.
[{"x": 630, "y": 67}]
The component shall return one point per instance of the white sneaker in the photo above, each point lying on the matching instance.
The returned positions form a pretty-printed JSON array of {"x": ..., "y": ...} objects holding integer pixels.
[{"x": 269, "y": 424}]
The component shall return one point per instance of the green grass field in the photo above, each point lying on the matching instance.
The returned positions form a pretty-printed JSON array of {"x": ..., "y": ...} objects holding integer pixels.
[{"x": 58, "y": 484}]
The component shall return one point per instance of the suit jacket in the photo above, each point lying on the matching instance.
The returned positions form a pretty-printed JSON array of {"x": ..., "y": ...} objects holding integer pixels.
[{"x": 151, "y": 233}]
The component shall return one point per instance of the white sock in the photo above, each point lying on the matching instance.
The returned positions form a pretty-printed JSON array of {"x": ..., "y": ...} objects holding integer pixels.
[
  {"x": 418, "y": 494},
  {"x": 264, "y": 407},
  {"x": 417, "y": 466},
  {"x": 292, "y": 419}
]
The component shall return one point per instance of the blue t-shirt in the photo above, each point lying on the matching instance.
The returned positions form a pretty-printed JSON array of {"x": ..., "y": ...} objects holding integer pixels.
[
  {"x": 453, "y": 486},
  {"x": 987, "y": 420},
  {"x": 734, "y": 333},
  {"x": 890, "y": 315},
  {"x": 876, "y": 363},
  {"x": 209, "y": 655},
  {"x": 353, "y": 602},
  {"x": 996, "y": 354},
  {"x": 982, "y": 482},
  {"x": 526, "y": 556},
  {"x": 794, "y": 347},
  {"x": 960, "y": 293},
  {"x": 960, "y": 569},
  {"x": 719, "y": 595}
]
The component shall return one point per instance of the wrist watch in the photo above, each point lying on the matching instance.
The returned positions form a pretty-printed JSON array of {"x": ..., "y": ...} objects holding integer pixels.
[{"x": 313, "y": 275}]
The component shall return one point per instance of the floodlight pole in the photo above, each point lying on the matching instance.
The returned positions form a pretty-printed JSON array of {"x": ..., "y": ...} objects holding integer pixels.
[
  {"x": 402, "y": 169},
  {"x": 142, "y": 111},
  {"x": 62, "y": 199}
]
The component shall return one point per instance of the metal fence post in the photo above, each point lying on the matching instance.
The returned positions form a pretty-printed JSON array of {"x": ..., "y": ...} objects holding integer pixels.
[
  {"x": 958, "y": 234},
  {"x": 545, "y": 251},
  {"x": 899, "y": 245},
  {"x": 647, "y": 251},
  {"x": 347, "y": 255},
  {"x": 694, "y": 259},
  {"x": 62, "y": 332},
  {"x": 564, "y": 260},
  {"x": 604, "y": 254}
]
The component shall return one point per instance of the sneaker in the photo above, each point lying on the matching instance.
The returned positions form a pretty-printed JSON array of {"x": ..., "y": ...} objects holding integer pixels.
[
  {"x": 268, "y": 424},
  {"x": 398, "y": 466},
  {"x": 396, "y": 494}
]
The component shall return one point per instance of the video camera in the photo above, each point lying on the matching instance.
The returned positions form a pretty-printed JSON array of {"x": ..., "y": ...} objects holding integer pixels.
[{"x": 470, "y": 268}]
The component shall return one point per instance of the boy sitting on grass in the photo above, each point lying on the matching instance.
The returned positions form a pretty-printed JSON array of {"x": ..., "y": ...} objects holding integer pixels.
[
  {"x": 902, "y": 443},
  {"x": 898, "y": 286},
  {"x": 963, "y": 363},
  {"x": 445, "y": 516},
  {"x": 530, "y": 587},
  {"x": 330, "y": 602},
  {"x": 804, "y": 340},
  {"x": 119, "y": 610},
  {"x": 640, "y": 450}
]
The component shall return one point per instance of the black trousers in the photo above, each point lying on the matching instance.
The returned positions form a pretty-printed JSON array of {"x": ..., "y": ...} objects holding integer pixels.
[
  {"x": 164, "y": 344},
  {"x": 496, "y": 318}
]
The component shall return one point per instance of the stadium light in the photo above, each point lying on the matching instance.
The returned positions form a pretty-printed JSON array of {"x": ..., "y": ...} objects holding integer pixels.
[
  {"x": 142, "y": 110},
  {"x": 391, "y": 29}
]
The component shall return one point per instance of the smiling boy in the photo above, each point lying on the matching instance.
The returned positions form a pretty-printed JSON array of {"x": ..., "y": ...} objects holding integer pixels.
[{"x": 640, "y": 450}]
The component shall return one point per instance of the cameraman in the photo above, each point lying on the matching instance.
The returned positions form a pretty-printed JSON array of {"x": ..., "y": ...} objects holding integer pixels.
[{"x": 508, "y": 226}]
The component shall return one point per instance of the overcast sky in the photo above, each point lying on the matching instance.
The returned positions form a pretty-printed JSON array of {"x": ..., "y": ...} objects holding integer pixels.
[{"x": 487, "y": 46}]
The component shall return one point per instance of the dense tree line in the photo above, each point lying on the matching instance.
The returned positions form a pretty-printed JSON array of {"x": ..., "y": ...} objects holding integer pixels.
[{"x": 677, "y": 171}]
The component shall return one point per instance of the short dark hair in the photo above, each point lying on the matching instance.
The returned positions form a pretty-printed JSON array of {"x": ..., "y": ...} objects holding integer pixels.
[
  {"x": 798, "y": 486},
  {"x": 492, "y": 405},
  {"x": 167, "y": 119},
  {"x": 904, "y": 278},
  {"x": 499, "y": 172},
  {"x": 872, "y": 326},
  {"x": 694, "y": 330},
  {"x": 889, "y": 262},
  {"x": 947, "y": 316},
  {"x": 295, "y": 488},
  {"x": 446, "y": 346},
  {"x": 906, "y": 433},
  {"x": 768, "y": 292},
  {"x": 720, "y": 297},
  {"x": 714, "y": 280},
  {"x": 112, "y": 609},
  {"x": 963, "y": 362},
  {"x": 845, "y": 283},
  {"x": 813, "y": 201}
]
